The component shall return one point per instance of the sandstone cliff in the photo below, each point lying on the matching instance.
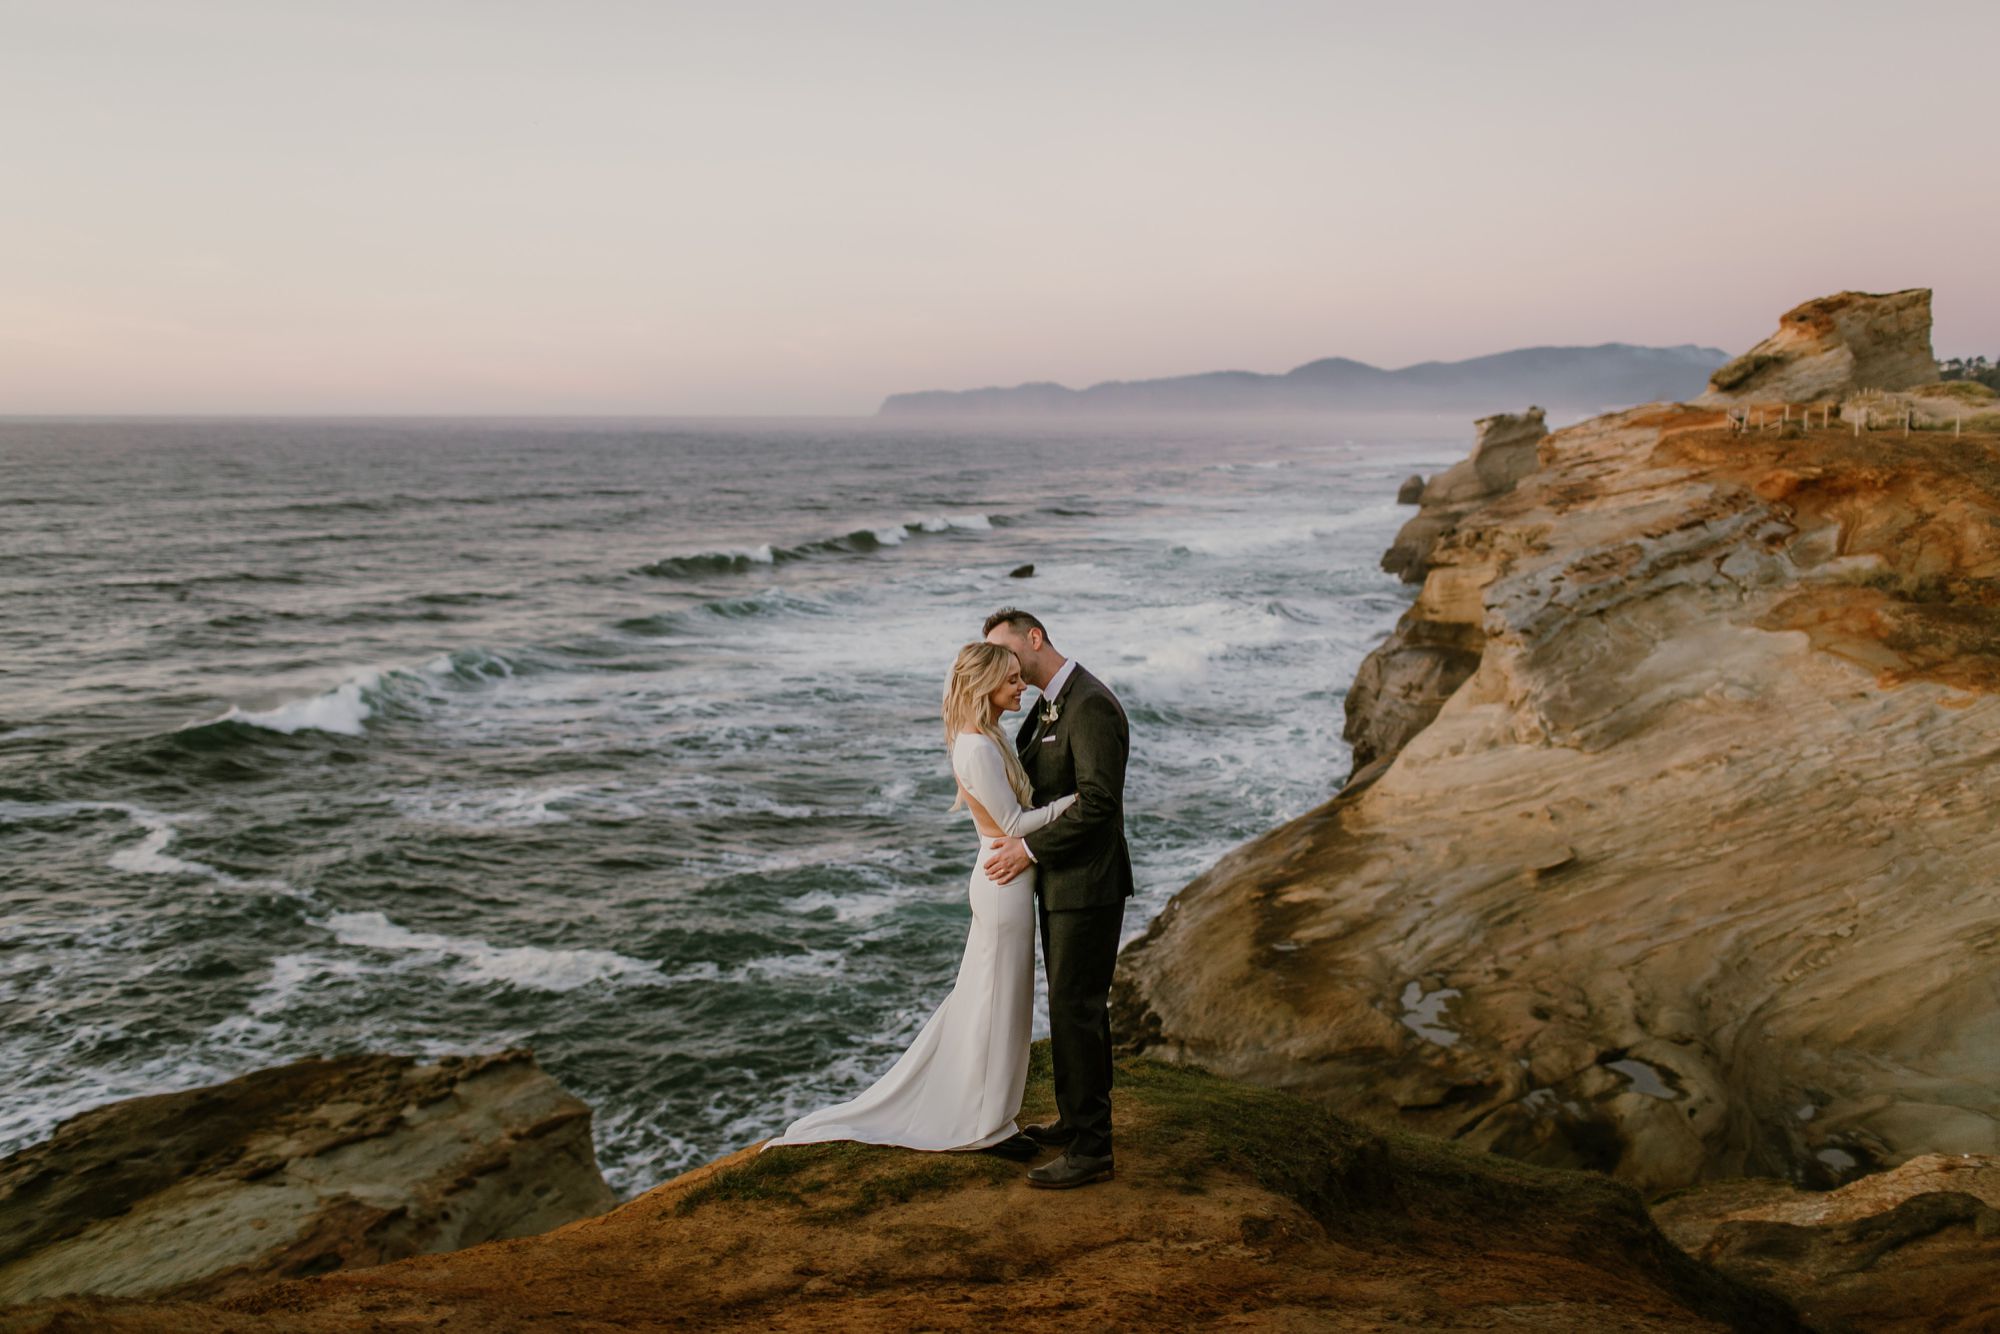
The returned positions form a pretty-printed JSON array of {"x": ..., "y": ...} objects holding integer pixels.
[
  {"x": 1916, "y": 1248},
  {"x": 301, "y": 1169},
  {"x": 1395, "y": 694},
  {"x": 1690, "y": 874},
  {"x": 1232, "y": 1205},
  {"x": 1826, "y": 348},
  {"x": 1503, "y": 452}
]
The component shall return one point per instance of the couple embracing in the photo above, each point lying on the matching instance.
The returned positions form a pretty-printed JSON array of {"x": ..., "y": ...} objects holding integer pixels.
[{"x": 1052, "y": 861}]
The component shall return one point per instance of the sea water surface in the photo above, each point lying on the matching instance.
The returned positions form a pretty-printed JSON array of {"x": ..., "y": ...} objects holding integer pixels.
[{"x": 617, "y": 740}]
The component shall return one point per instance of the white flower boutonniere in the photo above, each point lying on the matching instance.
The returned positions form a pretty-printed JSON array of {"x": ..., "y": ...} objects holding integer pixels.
[{"x": 1051, "y": 711}]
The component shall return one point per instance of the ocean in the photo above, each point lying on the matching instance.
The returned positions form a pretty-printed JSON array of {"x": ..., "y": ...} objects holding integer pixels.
[{"x": 614, "y": 739}]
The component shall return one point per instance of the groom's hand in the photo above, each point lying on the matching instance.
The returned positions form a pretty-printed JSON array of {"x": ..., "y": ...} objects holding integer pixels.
[{"x": 1009, "y": 858}]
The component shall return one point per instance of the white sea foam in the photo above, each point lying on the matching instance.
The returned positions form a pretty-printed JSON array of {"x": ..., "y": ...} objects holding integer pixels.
[
  {"x": 149, "y": 856},
  {"x": 503, "y": 808},
  {"x": 342, "y": 709},
  {"x": 851, "y": 907},
  {"x": 1239, "y": 534},
  {"x": 893, "y": 798},
  {"x": 806, "y": 964},
  {"x": 479, "y": 662},
  {"x": 528, "y": 966},
  {"x": 943, "y": 523}
]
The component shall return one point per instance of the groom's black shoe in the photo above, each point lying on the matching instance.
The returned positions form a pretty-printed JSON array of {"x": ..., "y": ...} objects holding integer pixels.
[
  {"x": 1052, "y": 1134},
  {"x": 1019, "y": 1148},
  {"x": 1070, "y": 1170}
]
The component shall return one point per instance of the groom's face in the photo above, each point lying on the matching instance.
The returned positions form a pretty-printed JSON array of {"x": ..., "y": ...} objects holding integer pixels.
[{"x": 1027, "y": 647}]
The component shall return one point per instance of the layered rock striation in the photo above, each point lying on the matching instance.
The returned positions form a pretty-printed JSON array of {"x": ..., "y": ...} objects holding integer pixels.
[
  {"x": 1916, "y": 1248},
  {"x": 302, "y": 1169},
  {"x": 1396, "y": 693},
  {"x": 1829, "y": 347},
  {"x": 1689, "y": 874}
]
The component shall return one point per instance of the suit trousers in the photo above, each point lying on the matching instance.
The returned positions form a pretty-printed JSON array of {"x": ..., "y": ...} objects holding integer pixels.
[{"x": 1079, "y": 952}]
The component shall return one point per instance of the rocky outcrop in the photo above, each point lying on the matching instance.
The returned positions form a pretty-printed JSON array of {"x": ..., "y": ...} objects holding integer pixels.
[
  {"x": 311, "y": 1167},
  {"x": 1411, "y": 492},
  {"x": 1399, "y": 689},
  {"x": 1232, "y": 1205},
  {"x": 1690, "y": 875},
  {"x": 1503, "y": 452},
  {"x": 1912, "y": 1249},
  {"x": 1825, "y": 349}
]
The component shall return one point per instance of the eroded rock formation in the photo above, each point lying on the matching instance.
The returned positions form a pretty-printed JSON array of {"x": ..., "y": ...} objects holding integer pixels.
[
  {"x": 1503, "y": 452},
  {"x": 1396, "y": 693},
  {"x": 305, "y": 1168},
  {"x": 1690, "y": 875},
  {"x": 1912, "y": 1249},
  {"x": 1828, "y": 347}
]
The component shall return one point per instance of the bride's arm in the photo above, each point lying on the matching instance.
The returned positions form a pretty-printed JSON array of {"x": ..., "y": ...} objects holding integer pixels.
[{"x": 984, "y": 774}]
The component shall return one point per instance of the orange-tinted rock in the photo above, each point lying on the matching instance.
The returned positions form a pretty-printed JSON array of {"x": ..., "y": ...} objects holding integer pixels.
[
  {"x": 1231, "y": 1206},
  {"x": 1828, "y": 348},
  {"x": 1690, "y": 874}
]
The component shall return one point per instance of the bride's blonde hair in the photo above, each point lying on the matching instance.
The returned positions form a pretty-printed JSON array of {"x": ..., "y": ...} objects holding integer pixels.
[{"x": 978, "y": 671}]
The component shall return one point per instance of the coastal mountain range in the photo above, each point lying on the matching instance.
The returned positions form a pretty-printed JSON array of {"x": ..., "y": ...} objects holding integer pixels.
[{"x": 1561, "y": 378}]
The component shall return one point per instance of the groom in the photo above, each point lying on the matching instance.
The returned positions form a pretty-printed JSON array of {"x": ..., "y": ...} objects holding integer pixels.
[{"x": 1076, "y": 741}]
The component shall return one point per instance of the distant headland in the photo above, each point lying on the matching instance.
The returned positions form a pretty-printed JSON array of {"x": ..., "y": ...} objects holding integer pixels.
[{"x": 1585, "y": 378}]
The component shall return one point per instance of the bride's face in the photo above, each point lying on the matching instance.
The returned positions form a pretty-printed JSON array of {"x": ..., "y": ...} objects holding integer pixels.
[{"x": 1008, "y": 697}]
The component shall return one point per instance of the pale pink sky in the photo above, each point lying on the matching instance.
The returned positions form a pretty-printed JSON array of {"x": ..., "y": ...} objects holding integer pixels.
[{"x": 600, "y": 206}]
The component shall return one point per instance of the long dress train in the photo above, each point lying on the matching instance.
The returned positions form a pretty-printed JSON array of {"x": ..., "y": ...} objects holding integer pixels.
[{"x": 959, "y": 1084}]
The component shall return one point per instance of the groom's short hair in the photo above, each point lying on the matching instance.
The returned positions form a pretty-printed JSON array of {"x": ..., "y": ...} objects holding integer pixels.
[{"x": 1022, "y": 621}]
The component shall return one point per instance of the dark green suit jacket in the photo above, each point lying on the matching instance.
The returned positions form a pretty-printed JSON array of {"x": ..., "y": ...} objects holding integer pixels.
[{"x": 1081, "y": 857}]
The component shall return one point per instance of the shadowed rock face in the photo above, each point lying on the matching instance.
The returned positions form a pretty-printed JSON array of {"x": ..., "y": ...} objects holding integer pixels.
[
  {"x": 1913, "y": 1249},
  {"x": 1691, "y": 875},
  {"x": 300, "y": 1169},
  {"x": 1828, "y": 347}
]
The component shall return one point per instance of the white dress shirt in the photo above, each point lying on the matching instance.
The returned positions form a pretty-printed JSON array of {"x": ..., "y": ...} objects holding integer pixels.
[{"x": 1058, "y": 681}]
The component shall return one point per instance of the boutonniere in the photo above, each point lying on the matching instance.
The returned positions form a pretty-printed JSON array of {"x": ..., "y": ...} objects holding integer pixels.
[{"x": 1051, "y": 711}]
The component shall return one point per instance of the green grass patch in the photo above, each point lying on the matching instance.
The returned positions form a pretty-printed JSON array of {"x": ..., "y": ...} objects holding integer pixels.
[
  {"x": 1193, "y": 1124},
  {"x": 1964, "y": 391}
]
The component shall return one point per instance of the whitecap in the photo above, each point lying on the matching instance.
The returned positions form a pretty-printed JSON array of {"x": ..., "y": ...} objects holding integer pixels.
[
  {"x": 149, "y": 856},
  {"x": 528, "y": 966},
  {"x": 807, "y": 964},
  {"x": 942, "y": 523},
  {"x": 503, "y": 808},
  {"x": 864, "y": 907},
  {"x": 342, "y": 709}
]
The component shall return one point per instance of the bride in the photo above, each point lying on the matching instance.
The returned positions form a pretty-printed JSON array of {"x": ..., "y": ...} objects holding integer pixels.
[{"x": 959, "y": 1085}]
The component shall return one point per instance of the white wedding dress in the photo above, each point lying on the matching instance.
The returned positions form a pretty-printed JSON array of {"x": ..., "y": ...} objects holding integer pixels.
[{"x": 959, "y": 1085}]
